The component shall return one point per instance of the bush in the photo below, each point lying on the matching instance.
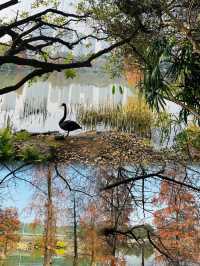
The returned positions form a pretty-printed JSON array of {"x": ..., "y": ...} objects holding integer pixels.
[
  {"x": 189, "y": 137},
  {"x": 22, "y": 135},
  {"x": 32, "y": 154},
  {"x": 12, "y": 149},
  {"x": 6, "y": 144}
]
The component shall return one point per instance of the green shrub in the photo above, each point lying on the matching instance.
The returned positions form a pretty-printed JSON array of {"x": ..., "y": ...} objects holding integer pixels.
[
  {"x": 6, "y": 144},
  {"x": 32, "y": 154},
  {"x": 22, "y": 135},
  {"x": 189, "y": 136}
]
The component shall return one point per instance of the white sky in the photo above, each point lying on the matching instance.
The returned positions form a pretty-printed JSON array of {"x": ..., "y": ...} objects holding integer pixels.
[{"x": 25, "y": 5}]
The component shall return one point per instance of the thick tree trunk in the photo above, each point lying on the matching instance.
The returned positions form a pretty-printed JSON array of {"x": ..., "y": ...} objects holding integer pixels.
[{"x": 48, "y": 245}]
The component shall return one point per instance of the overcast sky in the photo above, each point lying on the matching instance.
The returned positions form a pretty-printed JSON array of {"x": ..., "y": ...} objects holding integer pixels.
[{"x": 25, "y": 5}]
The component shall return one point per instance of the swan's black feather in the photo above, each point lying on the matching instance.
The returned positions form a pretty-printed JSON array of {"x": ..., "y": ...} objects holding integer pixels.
[{"x": 68, "y": 125}]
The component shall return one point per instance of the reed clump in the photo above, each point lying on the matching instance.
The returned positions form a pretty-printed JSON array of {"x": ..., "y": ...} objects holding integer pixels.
[{"x": 133, "y": 117}]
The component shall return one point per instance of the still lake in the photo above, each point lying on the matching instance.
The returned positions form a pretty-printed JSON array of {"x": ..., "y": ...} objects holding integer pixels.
[
  {"x": 36, "y": 107},
  {"x": 25, "y": 260}
]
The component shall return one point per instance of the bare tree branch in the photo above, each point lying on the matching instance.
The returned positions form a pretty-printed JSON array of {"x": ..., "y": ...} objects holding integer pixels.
[
  {"x": 68, "y": 185},
  {"x": 12, "y": 172},
  {"x": 159, "y": 174},
  {"x": 45, "y": 67},
  {"x": 8, "y": 4}
]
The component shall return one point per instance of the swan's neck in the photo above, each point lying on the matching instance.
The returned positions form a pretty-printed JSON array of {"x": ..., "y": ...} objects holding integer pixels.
[{"x": 64, "y": 116}]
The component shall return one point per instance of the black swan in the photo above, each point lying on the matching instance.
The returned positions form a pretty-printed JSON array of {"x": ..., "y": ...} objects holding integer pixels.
[{"x": 68, "y": 125}]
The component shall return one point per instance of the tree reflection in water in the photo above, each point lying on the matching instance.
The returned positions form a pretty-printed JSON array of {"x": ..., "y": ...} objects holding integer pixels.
[{"x": 133, "y": 211}]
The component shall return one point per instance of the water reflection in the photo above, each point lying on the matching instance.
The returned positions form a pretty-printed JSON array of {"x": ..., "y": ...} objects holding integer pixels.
[
  {"x": 27, "y": 260},
  {"x": 93, "y": 247},
  {"x": 36, "y": 108},
  {"x": 171, "y": 213}
]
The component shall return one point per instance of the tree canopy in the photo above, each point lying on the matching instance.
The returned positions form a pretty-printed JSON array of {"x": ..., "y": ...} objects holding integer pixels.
[
  {"x": 36, "y": 38},
  {"x": 9, "y": 225},
  {"x": 166, "y": 45},
  {"x": 162, "y": 37}
]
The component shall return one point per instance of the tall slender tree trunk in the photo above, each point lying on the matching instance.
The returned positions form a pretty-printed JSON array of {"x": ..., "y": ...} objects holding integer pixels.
[
  {"x": 92, "y": 263},
  {"x": 75, "y": 263},
  {"x": 114, "y": 243},
  {"x": 113, "y": 261},
  {"x": 5, "y": 250},
  {"x": 49, "y": 229},
  {"x": 142, "y": 255}
]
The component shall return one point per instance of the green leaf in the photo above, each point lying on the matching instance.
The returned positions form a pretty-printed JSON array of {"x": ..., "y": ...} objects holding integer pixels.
[
  {"x": 113, "y": 89},
  {"x": 69, "y": 58},
  {"x": 121, "y": 89},
  {"x": 45, "y": 56},
  {"x": 70, "y": 73}
]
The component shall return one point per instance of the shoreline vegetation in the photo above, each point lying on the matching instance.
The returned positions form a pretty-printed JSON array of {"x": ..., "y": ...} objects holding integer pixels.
[
  {"x": 92, "y": 147},
  {"x": 126, "y": 189}
]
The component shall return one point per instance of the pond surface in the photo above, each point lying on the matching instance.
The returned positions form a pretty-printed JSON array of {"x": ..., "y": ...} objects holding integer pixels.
[
  {"x": 26, "y": 260},
  {"x": 20, "y": 194},
  {"x": 36, "y": 108}
]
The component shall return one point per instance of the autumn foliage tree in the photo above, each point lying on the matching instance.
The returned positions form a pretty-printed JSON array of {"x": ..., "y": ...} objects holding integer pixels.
[
  {"x": 116, "y": 204},
  {"x": 44, "y": 208},
  {"x": 166, "y": 36},
  {"x": 9, "y": 225},
  {"x": 177, "y": 223},
  {"x": 94, "y": 245}
]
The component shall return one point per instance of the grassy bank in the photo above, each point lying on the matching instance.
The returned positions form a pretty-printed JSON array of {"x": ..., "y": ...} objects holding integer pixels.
[{"x": 133, "y": 117}]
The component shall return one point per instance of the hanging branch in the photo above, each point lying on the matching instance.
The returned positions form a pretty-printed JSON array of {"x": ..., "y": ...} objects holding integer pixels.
[
  {"x": 8, "y": 4},
  {"x": 28, "y": 43},
  {"x": 12, "y": 172},
  {"x": 68, "y": 185},
  {"x": 158, "y": 174}
]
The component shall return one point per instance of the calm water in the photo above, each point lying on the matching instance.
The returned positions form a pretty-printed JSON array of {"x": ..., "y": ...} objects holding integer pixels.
[
  {"x": 20, "y": 195},
  {"x": 26, "y": 260},
  {"x": 37, "y": 107}
]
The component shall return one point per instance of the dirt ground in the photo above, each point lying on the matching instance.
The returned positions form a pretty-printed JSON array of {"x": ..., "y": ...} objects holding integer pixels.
[{"x": 95, "y": 148}]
